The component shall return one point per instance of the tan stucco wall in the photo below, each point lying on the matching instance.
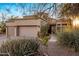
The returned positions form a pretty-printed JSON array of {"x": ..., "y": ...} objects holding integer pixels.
[{"x": 24, "y": 22}]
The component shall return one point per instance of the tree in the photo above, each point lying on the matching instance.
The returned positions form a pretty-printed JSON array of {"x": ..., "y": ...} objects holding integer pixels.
[
  {"x": 2, "y": 27},
  {"x": 70, "y": 10},
  {"x": 35, "y": 8}
]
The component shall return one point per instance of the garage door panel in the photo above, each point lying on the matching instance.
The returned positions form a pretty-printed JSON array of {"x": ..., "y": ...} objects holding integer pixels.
[
  {"x": 28, "y": 31},
  {"x": 11, "y": 31}
]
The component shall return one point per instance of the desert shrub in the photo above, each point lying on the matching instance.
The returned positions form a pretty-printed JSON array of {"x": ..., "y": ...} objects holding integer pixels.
[
  {"x": 69, "y": 39},
  {"x": 20, "y": 47},
  {"x": 44, "y": 40},
  {"x": 44, "y": 31},
  {"x": 43, "y": 34},
  {"x": 2, "y": 27}
]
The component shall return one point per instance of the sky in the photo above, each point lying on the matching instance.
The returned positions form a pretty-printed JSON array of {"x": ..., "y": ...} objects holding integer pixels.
[{"x": 15, "y": 9}]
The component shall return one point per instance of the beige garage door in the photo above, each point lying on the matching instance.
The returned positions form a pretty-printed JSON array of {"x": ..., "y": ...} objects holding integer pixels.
[
  {"x": 11, "y": 31},
  {"x": 28, "y": 31}
]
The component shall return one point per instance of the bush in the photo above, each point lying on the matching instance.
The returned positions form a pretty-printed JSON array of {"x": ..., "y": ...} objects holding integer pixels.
[
  {"x": 43, "y": 34},
  {"x": 20, "y": 47},
  {"x": 44, "y": 31},
  {"x": 44, "y": 40},
  {"x": 69, "y": 39},
  {"x": 2, "y": 27}
]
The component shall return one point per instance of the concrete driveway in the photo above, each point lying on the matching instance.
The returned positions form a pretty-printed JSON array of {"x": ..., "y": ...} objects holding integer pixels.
[{"x": 2, "y": 38}]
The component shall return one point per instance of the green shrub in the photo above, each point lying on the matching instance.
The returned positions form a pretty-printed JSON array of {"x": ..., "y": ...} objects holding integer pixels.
[
  {"x": 20, "y": 47},
  {"x": 45, "y": 40},
  {"x": 69, "y": 39},
  {"x": 44, "y": 31},
  {"x": 2, "y": 27}
]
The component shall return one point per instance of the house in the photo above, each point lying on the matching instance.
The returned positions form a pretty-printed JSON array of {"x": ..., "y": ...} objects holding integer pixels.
[{"x": 28, "y": 26}]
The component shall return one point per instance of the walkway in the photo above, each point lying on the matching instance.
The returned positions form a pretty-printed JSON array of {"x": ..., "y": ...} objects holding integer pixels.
[{"x": 54, "y": 50}]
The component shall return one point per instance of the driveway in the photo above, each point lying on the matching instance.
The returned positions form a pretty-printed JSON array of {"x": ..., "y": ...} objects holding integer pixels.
[
  {"x": 54, "y": 50},
  {"x": 2, "y": 38}
]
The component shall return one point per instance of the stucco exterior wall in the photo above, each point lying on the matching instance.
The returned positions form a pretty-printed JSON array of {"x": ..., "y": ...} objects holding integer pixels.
[{"x": 24, "y": 22}]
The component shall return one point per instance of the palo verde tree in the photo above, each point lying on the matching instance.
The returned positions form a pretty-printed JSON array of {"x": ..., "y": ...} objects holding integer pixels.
[{"x": 70, "y": 10}]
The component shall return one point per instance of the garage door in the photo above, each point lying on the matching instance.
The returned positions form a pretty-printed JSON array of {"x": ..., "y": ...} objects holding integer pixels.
[
  {"x": 28, "y": 31},
  {"x": 11, "y": 31}
]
